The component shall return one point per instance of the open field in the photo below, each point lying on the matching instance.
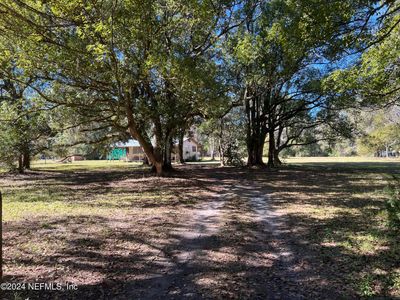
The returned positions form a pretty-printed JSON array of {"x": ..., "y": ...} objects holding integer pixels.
[
  {"x": 316, "y": 228},
  {"x": 346, "y": 161}
]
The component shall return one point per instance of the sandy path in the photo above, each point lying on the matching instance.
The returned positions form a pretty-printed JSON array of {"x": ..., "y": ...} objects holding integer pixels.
[
  {"x": 276, "y": 233},
  {"x": 203, "y": 223},
  {"x": 196, "y": 239}
]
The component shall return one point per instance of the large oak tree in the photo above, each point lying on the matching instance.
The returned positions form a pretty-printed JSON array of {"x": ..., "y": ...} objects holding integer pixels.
[{"x": 137, "y": 66}]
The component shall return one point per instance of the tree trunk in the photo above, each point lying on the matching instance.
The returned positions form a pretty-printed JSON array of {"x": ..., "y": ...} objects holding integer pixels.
[
  {"x": 212, "y": 149},
  {"x": 146, "y": 161},
  {"x": 154, "y": 154},
  {"x": 26, "y": 160},
  {"x": 158, "y": 168},
  {"x": 167, "y": 164},
  {"x": 255, "y": 149},
  {"x": 220, "y": 144},
  {"x": 21, "y": 163},
  {"x": 278, "y": 147},
  {"x": 277, "y": 160},
  {"x": 255, "y": 135},
  {"x": 180, "y": 148},
  {"x": 221, "y": 154},
  {"x": 271, "y": 150}
]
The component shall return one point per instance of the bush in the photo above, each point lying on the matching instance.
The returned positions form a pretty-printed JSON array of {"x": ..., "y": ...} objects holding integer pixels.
[
  {"x": 232, "y": 155},
  {"x": 192, "y": 158},
  {"x": 393, "y": 206}
]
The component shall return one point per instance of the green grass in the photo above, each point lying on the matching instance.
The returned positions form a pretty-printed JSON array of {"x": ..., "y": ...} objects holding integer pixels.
[
  {"x": 54, "y": 195},
  {"x": 102, "y": 205},
  {"x": 347, "y": 199},
  {"x": 57, "y": 201},
  {"x": 353, "y": 162},
  {"x": 84, "y": 165},
  {"x": 340, "y": 159}
]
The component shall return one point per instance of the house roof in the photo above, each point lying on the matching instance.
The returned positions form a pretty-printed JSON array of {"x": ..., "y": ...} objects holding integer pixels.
[
  {"x": 129, "y": 143},
  {"x": 191, "y": 139}
]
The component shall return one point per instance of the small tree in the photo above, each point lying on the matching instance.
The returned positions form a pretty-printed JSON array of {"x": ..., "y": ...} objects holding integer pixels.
[{"x": 24, "y": 117}]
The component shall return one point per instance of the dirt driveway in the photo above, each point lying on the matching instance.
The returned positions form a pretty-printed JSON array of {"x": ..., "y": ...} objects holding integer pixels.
[{"x": 223, "y": 234}]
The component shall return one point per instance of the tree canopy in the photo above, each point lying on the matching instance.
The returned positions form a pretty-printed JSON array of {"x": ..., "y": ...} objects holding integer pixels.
[{"x": 146, "y": 69}]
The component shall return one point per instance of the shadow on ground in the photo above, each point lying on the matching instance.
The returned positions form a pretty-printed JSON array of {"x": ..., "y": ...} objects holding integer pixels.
[{"x": 312, "y": 233}]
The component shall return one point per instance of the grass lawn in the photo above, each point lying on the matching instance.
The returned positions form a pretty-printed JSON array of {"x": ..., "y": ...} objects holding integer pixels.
[
  {"x": 118, "y": 232},
  {"x": 346, "y": 162},
  {"x": 342, "y": 207},
  {"x": 84, "y": 165},
  {"x": 53, "y": 189}
]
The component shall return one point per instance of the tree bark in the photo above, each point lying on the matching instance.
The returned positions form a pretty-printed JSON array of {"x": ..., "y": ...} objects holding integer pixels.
[
  {"x": 153, "y": 154},
  {"x": 278, "y": 147},
  {"x": 271, "y": 150},
  {"x": 26, "y": 160},
  {"x": 21, "y": 163},
  {"x": 277, "y": 160},
  {"x": 167, "y": 164},
  {"x": 221, "y": 154},
  {"x": 212, "y": 148},
  {"x": 255, "y": 135},
  {"x": 180, "y": 148},
  {"x": 146, "y": 161},
  {"x": 255, "y": 149}
]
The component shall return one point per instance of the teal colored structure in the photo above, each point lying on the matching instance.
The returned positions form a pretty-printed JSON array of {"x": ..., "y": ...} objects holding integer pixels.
[{"x": 117, "y": 154}]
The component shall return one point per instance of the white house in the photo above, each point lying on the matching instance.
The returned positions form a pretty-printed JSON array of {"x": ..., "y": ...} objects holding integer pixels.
[
  {"x": 191, "y": 149},
  {"x": 131, "y": 150}
]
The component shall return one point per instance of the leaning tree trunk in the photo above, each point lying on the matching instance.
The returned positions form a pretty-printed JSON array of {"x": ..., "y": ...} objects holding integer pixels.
[
  {"x": 278, "y": 146},
  {"x": 154, "y": 154},
  {"x": 146, "y": 161}
]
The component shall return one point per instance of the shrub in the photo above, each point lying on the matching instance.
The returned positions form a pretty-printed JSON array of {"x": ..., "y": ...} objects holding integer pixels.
[
  {"x": 192, "y": 158},
  {"x": 393, "y": 206},
  {"x": 232, "y": 155}
]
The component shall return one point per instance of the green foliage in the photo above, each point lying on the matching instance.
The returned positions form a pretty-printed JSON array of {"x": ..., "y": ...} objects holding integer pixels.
[
  {"x": 151, "y": 67},
  {"x": 227, "y": 133},
  {"x": 24, "y": 119},
  {"x": 365, "y": 286},
  {"x": 231, "y": 134},
  {"x": 278, "y": 59},
  {"x": 393, "y": 206},
  {"x": 375, "y": 80},
  {"x": 232, "y": 153},
  {"x": 146, "y": 66},
  {"x": 21, "y": 131},
  {"x": 192, "y": 158},
  {"x": 380, "y": 130}
]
